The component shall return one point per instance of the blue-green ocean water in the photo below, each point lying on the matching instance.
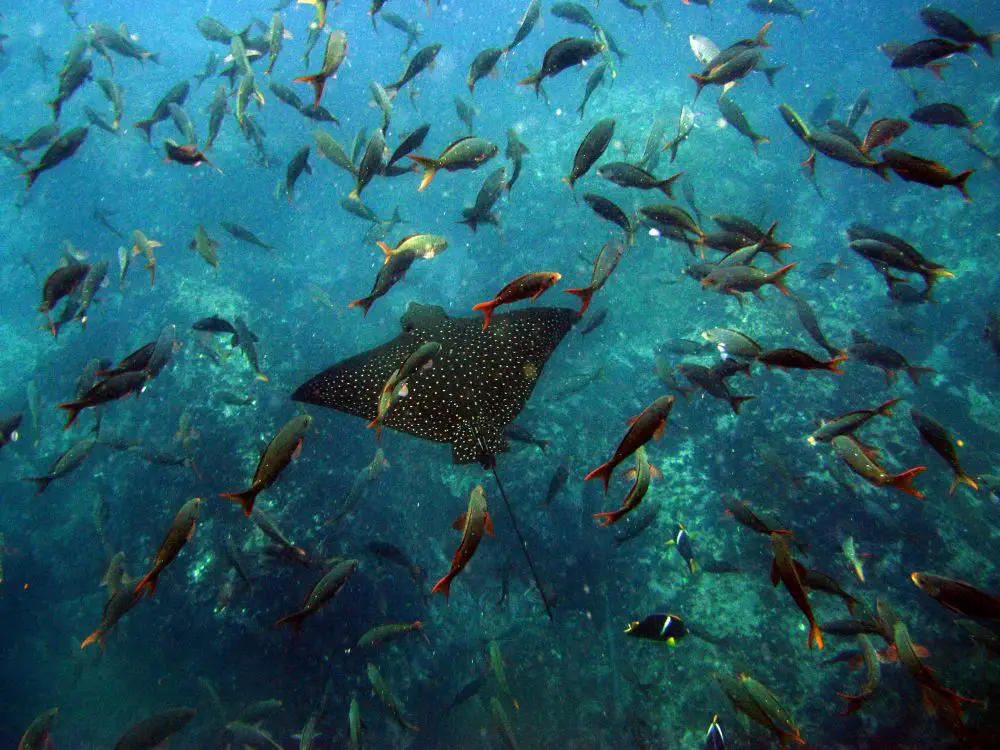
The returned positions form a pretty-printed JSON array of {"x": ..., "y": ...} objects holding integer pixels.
[{"x": 580, "y": 682}]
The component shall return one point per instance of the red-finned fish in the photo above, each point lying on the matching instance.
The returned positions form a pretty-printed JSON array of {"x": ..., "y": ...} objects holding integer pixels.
[
  {"x": 914, "y": 168},
  {"x": 873, "y": 676},
  {"x": 37, "y": 736},
  {"x": 649, "y": 424},
  {"x": 181, "y": 530},
  {"x": 187, "y": 154},
  {"x": 883, "y": 132},
  {"x": 794, "y": 359},
  {"x": 861, "y": 460},
  {"x": 735, "y": 280},
  {"x": 907, "y": 653},
  {"x": 281, "y": 451},
  {"x": 395, "y": 387},
  {"x": 644, "y": 472},
  {"x": 604, "y": 265},
  {"x": 784, "y": 570},
  {"x": 529, "y": 286},
  {"x": 958, "y": 596},
  {"x": 473, "y": 523},
  {"x": 323, "y": 591},
  {"x": 333, "y": 56}
]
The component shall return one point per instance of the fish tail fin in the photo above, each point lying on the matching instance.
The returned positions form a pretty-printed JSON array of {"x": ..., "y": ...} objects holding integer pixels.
[
  {"x": 667, "y": 186},
  {"x": 803, "y": 15},
  {"x": 771, "y": 72},
  {"x": 603, "y": 471},
  {"x": 585, "y": 294},
  {"x": 834, "y": 364},
  {"x": 815, "y": 636},
  {"x": 364, "y": 303},
  {"x": 904, "y": 481},
  {"x": 148, "y": 581},
  {"x": 146, "y": 126},
  {"x": 757, "y": 139},
  {"x": 31, "y": 175},
  {"x": 74, "y": 408},
  {"x": 737, "y": 401},
  {"x": 938, "y": 70},
  {"x": 245, "y": 498},
  {"x": 430, "y": 167},
  {"x": 885, "y": 410},
  {"x": 294, "y": 620},
  {"x": 444, "y": 586},
  {"x": 760, "y": 39},
  {"x": 882, "y": 170},
  {"x": 152, "y": 57},
  {"x": 317, "y": 81},
  {"x": 986, "y": 42},
  {"x": 778, "y": 278},
  {"x": 94, "y": 637},
  {"x": 534, "y": 80},
  {"x": 610, "y": 517},
  {"x": 693, "y": 566},
  {"x": 959, "y": 181},
  {"x": 487, "y": 308},
  {"x": 915, "y": 372},
  {"x": 962, "y": 478},
  {"x": 700, "y": 82},
  {"x": 41, "y": 483}
]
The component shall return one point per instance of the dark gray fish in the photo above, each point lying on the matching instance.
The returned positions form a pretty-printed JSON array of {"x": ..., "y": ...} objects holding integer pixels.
[
  {"x": 484, "y": 64},
  {"x": 489, "y": 194},
  {"x": 732, "y": 114},
  {"x": 861, "y": 105},
  {"x": 952, "y": 27},
  {"x": 778, "y": 8},
  {"x": 520, "y": 434},
  {"x": 591, "y": 148},
  {"x": 244, "y": 234},
  {"x": 401, "y": 24},
  {"x": 72, "y": 459},
  {"x": 944, "y": 113},
  {"x": 809, "y": 321},
  {"x": 610, "y": 212},
  {"x": 556, "y": 483},
  {"x": 64, "y": 147},
  {"x": 298, "y": 164},
  {"x": 413, "y": 140},
  {"x": 70, "y": 80},
  {"x": 420, "y": 61},
  {"x": 466, "y": 113},
  {"x": 505, "y": 360},
  {"x": 176, "y": 95},
  {"x": 247, "y": 341},
  {"x": 594, "y": 322},
  {"x": 595, "y": 80},
  {"x": 372, "y": 163},
  {"x": 562, "y": 55},
  {"x": 575, "y": 13},
  {"x": 528, "y": 22},
  {"x": 515, "y": 151}
]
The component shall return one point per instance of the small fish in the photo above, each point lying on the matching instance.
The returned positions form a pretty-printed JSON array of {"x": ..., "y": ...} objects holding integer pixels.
[
  {"x": 69, "y": 461},
  {"x": 647, "y": 425},
  {"x": 861, "y": 461},
  {"x": 912, "y": 168},
  {"x": 112, "y": 389},
  {"x": 604, "y": 265},
  {"x": 732, "y": 114},
  {"x": 180, "y": 532},
  {"x": 723, "y": 74},
  {"x": 659, "y": 627},
  {"x": 528, "y": 286},
  {"x": 473, "y": 524},
  {"x": 528, "y": 22},
  {"x": 64, "y": 147},
  {"x": 594, "y": 81},
  {"x": 847, "y": 424},
  {"x": 853, "y": 558},
  {"x": 484, "y": 64},
  {"x": 325, "y": 589},
  {"x": 952, "y": 27},
  {"x": 944, "y": 113},
  {"x": 284, "y": 448},
  {"x": 682, "y": 542},
  {"x": 784, "y": 570},
  {"x": 388, "y": 700},
  {"x": 628, "y": 175},
  {"x": 591, "y": 148},
  {"x": 644, "y": 474},
  {"x": 562, "y": 55},
  {"x": 387, "y": 633},
  {"x": 298, "y": 164},
  {"x": 610, "y": 211},
  {"x": 469, "y": 152},
  {"x": 796, "y": 359},
  {"x": 936, "y": 436},
  {"x": 418, "y": 63},
  {"x": 205, "y": 246},
  {"x": 244, "y": 234},
  {"x": 958, "y": 596},
  {"x": 778, "y": 8},
  {"x": 499, "y": 674}
]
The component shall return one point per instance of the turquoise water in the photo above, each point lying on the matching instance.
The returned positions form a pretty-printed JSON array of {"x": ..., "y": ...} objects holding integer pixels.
[{"x": 580, "y": 681}]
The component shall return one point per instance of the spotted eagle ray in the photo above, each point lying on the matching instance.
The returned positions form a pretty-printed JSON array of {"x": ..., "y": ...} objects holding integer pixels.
[
  {"x": 477, "y": 385},
  {"x": 479, "y": 382}
]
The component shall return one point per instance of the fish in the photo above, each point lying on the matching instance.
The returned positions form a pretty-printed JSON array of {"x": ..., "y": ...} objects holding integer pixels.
[
  {"x": 163, "y": 349},
  {"x": 527, "y": 286},
  {"x": 754, "y": 700},
  {"x": 731, "y": 343},
  {"x": 176, "y": 95},
  {"x": 327, "y": 587},
  {"x": 594, "y": 81},
  {"x": 38, "y": 736},
  {"x": 372, "y": 163},
  {"x": 912, "y": 168},
  {"x": 188, "y": 155},
  {"x": 388, "y": 700},
  {"x": 473, "y": 524},
  {"x": 595, "y": 322},
  {"x": 610, "y": 211},
  {"x": 71, "y": 78},
  {"x": 205, "y": 246},
  {"x": 628, "y": 175},
  {"x": 659, "y": 627},
  {"x": 298, "y": 164},
  {"x": 214, "y": 324},
  {"x": 520, "y": 434},
  {"x": 908, "y": 656},
  {"x": 396, "y": 387},
  {"x": 355, "y": 724},
  {"x": 333, "y": 57},
  {"x": 883, "y": 357},
  {"x": 410, "y": 143},
  {"x": 482, "y": 210},
  {"x": 926, "y": 53},
  {"x": 682, "y": 543},
  {"x": 710, "y": 381},
  {"x": 847, "y": 424},
  {"x": 779, "y": 8},
  {"x": 936, "y": 436},
  {"x": 387, "y": 633},
  {"x": 247, "y": 341},
  {"x": 499, "y": 674},
  {"x": 725, "y": 73},
  {"x": 952, "y": 27},
  {"x": 861, "y": 461},
  {"x": 528, "y": 22},
  {"x": 446, "y": 412},
  {"x": 736, "y": 280},
  {"x": 556, "y": 484},
  {"x": 958, "y": 596},
  {"x": 483, "y": 64},
  {"x": 389, "y": 274},
  {"x": 843, "y": 150},
  {"x": 411, "y": 30},
  {"x": 796, "y": 359},
  {"x": 244, "y": 234},
  {"x": 283, "y": 448},
  {"x": 644, "y": 474},
  {"x": 605, "y": 264},
  {"x": 591, "y": 148},
  {"x": 112, "y": 389},
  {"x": 784, "y": 570},
  {"x": 649, "y": 424},
  {"x": 179, "y": 534},
  {"x": 62, "y": 148},
  {"x": 423, "y": 59},
  {"x": 564, "y": 54},
  {"x": 732, "y": 114},
  {"x": 156, "y": 729},
  {"x": 469, "y": 152},
  {"x": 71, "y": 459},
  {"x": 714, "y": 738},
  {"x": 944, "y": 113}
]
